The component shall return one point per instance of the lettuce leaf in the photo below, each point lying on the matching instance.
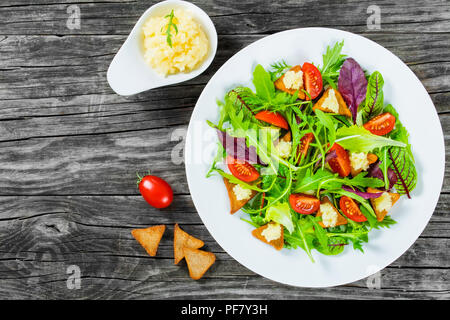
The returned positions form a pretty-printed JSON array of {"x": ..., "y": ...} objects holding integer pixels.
[
  {"x": 280, "y": 213},
  {"x": 358, "y": 139}
]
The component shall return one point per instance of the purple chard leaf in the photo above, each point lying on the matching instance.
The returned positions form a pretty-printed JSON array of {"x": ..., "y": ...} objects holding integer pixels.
[
  {"x": 352, "y": 85},
  {"x": 376, "y": 172},
  {"x": 237, "y": 148}
]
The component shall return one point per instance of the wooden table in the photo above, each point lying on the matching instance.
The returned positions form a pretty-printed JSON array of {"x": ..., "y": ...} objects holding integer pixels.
[{"x": 70, "y": 149}]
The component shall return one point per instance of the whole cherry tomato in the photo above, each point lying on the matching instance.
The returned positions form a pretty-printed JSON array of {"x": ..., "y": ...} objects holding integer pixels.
[{"x": 156, "y": 191}]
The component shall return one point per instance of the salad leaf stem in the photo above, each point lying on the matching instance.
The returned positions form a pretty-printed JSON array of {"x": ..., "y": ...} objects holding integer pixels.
[{"x": 170, "y": 25}]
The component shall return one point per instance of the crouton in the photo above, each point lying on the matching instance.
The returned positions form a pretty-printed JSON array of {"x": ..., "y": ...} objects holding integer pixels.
[
  {"x": 149, "y": 238},
  {"x": 343, "y": 109},
  {"x": 198, "y": 262},
  {"x": 236, "y": 204},
  {"x": 279, "y": 84},
  {"x": 181, "y": 240},
  {"x": 341, "y": 220},
  {"x": 378, "y": 204},
  {"x": 267, "y": 232}
]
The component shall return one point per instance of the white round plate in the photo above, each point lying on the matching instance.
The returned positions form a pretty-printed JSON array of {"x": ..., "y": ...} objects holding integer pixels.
[{"x": 402, "y": 89}]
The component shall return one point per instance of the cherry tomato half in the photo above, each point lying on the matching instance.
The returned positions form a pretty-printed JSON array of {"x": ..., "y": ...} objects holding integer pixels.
[
  {"x": 304, "y": 203},
  {"x": 156, "y": 191},
  {"x": 242, "y": 169},
  {"x": 273, "y": 118},
  {"x": 304, "y": 144},
  {"x": 341, "y": 163},
  {"x": 381, "y": 125},
  {"x": 351, "y": 209},
  {"x": 312, "y": 79}
]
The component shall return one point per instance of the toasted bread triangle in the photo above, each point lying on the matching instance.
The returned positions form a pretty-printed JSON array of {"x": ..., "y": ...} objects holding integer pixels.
[
  {"x": 341, "y": 220},
  {"x": 182, "y": 239},
  {"x": 343, "y": 109},
  {"x": 149, "y": 238},
  {"x": 276, "y": 243},
  {"x": 287, "y": 137},
  {"x": 236, "y": 204},
  {"x": 382, "y": 213},
  {"x": 372, "y": 158},
  {"x": 279, "y": 84},
  {"x": 198, "y": 262}
]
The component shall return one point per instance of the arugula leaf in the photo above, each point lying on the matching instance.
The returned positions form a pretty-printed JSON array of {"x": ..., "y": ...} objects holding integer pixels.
[
  {"x": 324, "y": 179},
  {"x": 253, "y": 223},
  {"x": 374, "y": 97},
  {"x": 370, "y": 218},
  {"x": 223, "y": 115},
  {"x": 361, "y": 180},
  {"x": 263, "y": 83},
  {"x": 220, "y": 155},
  {"x": 357, "y": 235},
  {"x": 358, "y": 139},
  {"x": 306, "y": 240},
  {"x": 328, "y": 123},
  {"x": 332, "y": 63},
  {"x": 387, "y": 222},
  {"x": 245, "y": 127},
  {"x": 320, "y": 233},
  {"x": 312, "y": 181},
  {"x": 277, "y": 69}
]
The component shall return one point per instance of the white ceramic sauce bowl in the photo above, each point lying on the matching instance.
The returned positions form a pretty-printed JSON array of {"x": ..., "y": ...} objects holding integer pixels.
[{"x": 129, "y": 74}]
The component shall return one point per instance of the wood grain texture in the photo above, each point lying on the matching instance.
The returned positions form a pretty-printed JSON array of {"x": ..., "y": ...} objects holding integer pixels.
[{"x": 70, "y": 148}]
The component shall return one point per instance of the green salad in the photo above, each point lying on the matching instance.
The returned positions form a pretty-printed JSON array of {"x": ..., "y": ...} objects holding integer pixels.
[{"x": 313, "y": 154}]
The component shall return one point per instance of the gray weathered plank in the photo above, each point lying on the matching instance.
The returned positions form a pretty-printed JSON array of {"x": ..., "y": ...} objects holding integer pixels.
[
  {"x": 81, "y": 71},
  {"x": 245, "y": 17},
  {"x": 71, "y": 147},
  {"x": 42, "y": 236}
]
